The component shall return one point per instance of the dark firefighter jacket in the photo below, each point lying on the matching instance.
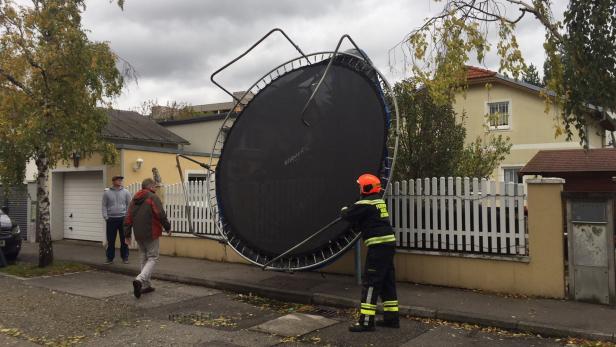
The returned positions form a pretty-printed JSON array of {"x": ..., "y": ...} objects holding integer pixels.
[{"x": 370, "y": 217}]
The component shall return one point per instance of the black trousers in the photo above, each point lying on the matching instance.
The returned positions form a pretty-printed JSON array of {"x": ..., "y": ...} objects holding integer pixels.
[
  {"x": 379, "y": 281},
  {"x": 114, "y": 227}
]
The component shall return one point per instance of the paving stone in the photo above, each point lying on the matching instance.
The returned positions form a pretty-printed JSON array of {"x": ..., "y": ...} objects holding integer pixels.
[
  {"x": 294, "y": 324},
  {"x": 93, "y": 284},
  {"x": 164, "y": 333},
  {"x": 166, "y": 293},
  {"x": 446, "y": 336},
  {"x": 339, "y": 335},
  {"x": 219, "y": 311}
]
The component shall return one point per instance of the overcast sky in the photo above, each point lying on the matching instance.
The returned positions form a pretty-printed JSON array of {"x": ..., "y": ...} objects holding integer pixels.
[{"x": 176, "y": 45}]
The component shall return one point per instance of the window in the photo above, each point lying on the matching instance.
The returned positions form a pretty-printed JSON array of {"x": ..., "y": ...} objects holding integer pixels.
[
  {"x": 498, "y": 115},
  {"x": 511, "y": 175},
  {"x": 196, "y": 177}
]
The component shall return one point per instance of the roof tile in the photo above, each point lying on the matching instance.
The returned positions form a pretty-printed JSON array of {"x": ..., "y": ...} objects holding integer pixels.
[
  {"x": 473, "y": 72},
  {"x": 572, "y": 160},
  {"x": 129, "y": 125}
]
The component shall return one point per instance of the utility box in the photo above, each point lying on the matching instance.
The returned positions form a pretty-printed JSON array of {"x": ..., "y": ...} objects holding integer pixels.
[{"x": 590, "y": 226}]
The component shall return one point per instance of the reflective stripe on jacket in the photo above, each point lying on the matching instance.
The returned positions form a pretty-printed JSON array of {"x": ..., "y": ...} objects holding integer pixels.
[{"x": 370, "y": 217}]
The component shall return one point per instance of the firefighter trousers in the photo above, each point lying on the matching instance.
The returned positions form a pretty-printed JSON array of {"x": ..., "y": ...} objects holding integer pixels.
[{"x": 379, "y": 281}]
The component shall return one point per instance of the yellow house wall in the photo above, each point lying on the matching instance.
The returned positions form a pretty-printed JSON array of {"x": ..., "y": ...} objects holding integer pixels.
[
  {"x": 164, "y": 162},
  {"x": 531, "y": 128},
  {"x": 95, "y": 162}
]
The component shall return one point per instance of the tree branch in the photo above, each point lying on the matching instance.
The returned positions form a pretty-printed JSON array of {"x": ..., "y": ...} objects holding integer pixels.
[
  {"x": 16, "y": 83},
  {"x": 550, "y": 26}
]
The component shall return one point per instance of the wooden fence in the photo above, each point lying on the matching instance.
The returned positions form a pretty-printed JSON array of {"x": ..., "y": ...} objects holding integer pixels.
[
  {"x": 175, "y": 206},
  {"x": 459, "y": 215}
]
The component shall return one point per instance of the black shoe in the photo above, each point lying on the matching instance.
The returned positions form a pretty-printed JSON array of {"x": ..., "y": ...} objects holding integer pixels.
[
  {"x": 108, "y": 262},
  {"x": 125, "y": 261},
  {"x": 147, "y": 290},
  {"x": 137, "y": 288},
  {"x": 360, "y": 328},
  {"x": 388, "y": 323}
]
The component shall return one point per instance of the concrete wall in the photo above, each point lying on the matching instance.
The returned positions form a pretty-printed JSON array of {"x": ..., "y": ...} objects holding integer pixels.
[
  {"x": 542, "y": 273},
  {"x": 531, "y": 128},
  {"x": 201, "y": 135},
  {"x": 192, "y": 247}
]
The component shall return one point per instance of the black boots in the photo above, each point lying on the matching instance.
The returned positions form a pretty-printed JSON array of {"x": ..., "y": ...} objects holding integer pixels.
[
  {"x": 359, "y": 328},
  {"x": 388, "y": 323},
  {"x": 137, "y": 288}
]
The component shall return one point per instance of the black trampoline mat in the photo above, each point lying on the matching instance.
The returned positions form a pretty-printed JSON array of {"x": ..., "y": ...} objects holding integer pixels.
[{"x": 279, "y": 180}]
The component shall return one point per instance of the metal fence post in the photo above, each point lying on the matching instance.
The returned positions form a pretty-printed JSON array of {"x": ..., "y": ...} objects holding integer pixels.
[{"x": 358, "y": 261}]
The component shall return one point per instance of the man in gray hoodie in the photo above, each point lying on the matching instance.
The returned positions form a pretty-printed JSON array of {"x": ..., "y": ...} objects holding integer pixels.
[{"x": 115, "y": 203}]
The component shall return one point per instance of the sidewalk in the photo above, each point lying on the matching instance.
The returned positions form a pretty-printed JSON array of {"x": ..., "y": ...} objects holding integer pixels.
[{"x": 558, "y": 318}]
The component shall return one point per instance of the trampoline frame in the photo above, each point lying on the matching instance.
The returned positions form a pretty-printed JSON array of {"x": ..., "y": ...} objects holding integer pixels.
[{"x": 327, "y": 253}]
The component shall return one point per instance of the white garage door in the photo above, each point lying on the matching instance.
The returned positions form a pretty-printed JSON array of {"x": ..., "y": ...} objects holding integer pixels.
[{"x": 83, "y": 193}]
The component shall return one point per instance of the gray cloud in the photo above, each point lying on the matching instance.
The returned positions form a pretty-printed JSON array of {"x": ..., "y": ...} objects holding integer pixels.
[{"x": 176, "y": 45}]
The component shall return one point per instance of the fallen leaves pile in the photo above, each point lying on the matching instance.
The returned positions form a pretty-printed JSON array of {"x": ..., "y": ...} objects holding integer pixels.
[
  {"x": 205, "y": 319},
  {"x": 59, "y": 342}
]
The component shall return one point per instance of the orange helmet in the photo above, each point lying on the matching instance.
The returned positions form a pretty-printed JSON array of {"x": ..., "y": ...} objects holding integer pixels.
[{"x": 369, "y": 184}]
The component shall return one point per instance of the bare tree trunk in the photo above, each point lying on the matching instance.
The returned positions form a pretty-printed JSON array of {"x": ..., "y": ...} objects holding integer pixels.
[{"x": 43, "y": 227}]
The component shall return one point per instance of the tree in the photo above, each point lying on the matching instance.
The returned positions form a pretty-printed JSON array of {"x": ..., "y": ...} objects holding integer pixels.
[
  {"x": 482, "y": 156},
  {"x": 531, "y": 75},
  {"x": 431, "y": 140},
  {"x": 172, "y": 110},
  {"x": 53, "y": 80},
  {"x": 442, "y": 46}
]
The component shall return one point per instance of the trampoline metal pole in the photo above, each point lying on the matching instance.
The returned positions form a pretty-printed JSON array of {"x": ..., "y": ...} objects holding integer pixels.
[{"x": 264, "y": 267}]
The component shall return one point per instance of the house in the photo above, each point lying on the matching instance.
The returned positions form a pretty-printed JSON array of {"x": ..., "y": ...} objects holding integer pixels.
[
  {"x": 76, "y": 187},
  {"x": 517, "y": 111},
  {"x": 200, "y": 130},
  {"x": 593, "y": 170}
]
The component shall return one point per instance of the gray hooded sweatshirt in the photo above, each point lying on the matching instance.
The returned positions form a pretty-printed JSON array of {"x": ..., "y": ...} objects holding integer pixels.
[{"x": 115, "y": 202}]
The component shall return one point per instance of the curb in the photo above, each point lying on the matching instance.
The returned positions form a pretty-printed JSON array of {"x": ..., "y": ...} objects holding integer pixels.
[
  {"x": 473, "y": 318},
  {"x": 544, "y": 330}
]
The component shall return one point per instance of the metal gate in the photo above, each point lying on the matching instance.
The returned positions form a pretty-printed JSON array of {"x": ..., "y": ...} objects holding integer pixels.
[{"x": 590, "y": 225}]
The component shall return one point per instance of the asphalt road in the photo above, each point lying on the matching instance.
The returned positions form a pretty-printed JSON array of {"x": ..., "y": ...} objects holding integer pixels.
[{"x": 97, "y": 309}]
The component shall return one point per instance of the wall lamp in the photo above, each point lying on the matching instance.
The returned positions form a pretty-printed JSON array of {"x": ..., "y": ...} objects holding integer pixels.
[
  {"x": 76, "y": 157},
  {"x": 137, "y": 165}
]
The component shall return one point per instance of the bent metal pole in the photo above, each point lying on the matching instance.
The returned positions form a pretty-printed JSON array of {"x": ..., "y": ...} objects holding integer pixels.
[
  {"x": 264, "y": 267},
  {"x": 186, "y": 206}
]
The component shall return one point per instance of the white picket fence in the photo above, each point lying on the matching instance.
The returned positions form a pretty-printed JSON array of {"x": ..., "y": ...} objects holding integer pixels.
[
  {"x": 460, "y": 215},
  {"x": 175, "y": 207}
]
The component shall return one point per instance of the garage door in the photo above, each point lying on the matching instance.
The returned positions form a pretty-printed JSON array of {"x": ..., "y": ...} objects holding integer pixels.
[{"x": 83, "y": 192}]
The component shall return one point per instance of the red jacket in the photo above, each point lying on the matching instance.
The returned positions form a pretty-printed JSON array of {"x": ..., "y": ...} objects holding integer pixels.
[{"x": 146, "y": 216}]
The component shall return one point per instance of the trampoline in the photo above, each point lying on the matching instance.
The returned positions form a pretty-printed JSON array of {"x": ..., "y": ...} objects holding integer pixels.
[{"x": 287, "y": 163}]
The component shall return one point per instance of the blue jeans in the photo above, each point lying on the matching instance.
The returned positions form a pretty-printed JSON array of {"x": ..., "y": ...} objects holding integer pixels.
[{"x": 115, "y": 226}]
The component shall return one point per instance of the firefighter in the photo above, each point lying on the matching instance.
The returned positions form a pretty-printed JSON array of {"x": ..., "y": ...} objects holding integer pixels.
[{"x": 370, "y": 217}]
